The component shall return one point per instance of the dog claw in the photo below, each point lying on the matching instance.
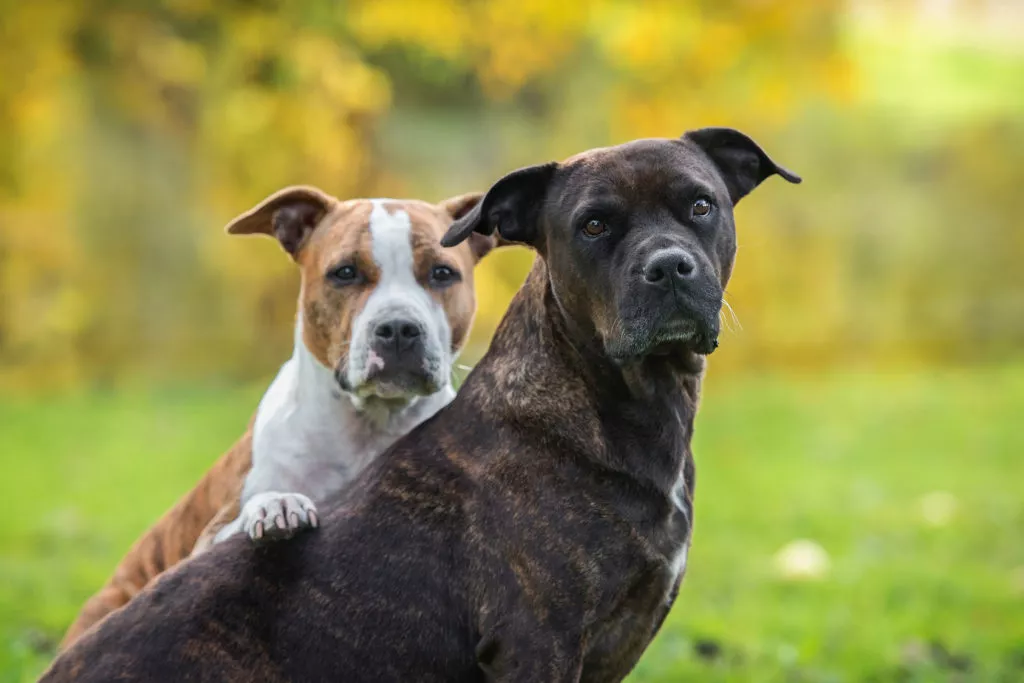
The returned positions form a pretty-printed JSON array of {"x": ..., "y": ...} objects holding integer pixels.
[{"x": 272, "y": 515}]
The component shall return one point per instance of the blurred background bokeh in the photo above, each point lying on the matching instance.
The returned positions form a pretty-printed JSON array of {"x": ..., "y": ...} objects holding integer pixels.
[{"x": 860, "y": 515}]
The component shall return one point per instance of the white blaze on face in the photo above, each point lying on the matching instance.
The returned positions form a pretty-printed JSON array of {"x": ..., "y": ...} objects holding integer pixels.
[{"x": 398, "y": 296}]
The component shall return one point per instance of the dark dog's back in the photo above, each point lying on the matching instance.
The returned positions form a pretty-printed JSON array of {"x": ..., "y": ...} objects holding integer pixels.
[{"x": 366, "y": 598}]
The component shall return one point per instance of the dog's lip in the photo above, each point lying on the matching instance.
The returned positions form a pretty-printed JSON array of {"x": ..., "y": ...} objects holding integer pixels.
[
  {"x": 699, "y": 343},
  {"x": 341, "y": 377},
  {"x": 391, "y": 388},
  {"x": 678, "y": 335},
  {"x": 676, "y": 329},
  {"x": 405, "y": 384},
  {"x": 698, "y": 338}
]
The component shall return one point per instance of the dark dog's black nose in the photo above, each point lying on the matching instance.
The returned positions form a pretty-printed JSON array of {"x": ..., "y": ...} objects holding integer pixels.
[
  {"x": 668, "y": 265},
  {"x": 397, "y": 335}
]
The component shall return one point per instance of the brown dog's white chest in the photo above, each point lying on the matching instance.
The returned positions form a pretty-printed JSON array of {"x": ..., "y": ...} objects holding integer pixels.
[{"x": 383, "y": 312}]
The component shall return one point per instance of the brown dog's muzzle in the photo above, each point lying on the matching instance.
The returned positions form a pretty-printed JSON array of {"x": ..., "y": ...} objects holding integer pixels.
[{"x": 397, "y": 363}]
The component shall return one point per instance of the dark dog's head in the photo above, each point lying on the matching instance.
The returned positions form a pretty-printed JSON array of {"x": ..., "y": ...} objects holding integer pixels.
[{"x": 639, "y": 238}]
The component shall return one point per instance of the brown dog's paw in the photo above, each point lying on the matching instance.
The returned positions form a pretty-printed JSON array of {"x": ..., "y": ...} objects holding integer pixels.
[{"x": 273, "y": 515}]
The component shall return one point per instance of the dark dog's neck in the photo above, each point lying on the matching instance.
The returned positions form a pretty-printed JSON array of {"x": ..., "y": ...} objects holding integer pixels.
[{"x": 635, "y": 419}]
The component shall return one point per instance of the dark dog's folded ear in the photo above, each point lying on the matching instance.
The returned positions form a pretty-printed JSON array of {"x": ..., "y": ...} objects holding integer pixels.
[
  {"x": 741, "y": 160},
  {"x": 290, "y": 215},
  {"x": 511, "y": 207}
]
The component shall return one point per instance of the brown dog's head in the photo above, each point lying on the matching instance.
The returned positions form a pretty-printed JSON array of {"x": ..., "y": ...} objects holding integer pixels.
[
  {"x": 382, "y": 305},
  {"x": 639, "y": 239}
]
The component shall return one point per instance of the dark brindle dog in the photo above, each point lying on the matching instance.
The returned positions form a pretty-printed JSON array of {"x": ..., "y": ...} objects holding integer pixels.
[{"x": 537, "y": 528}]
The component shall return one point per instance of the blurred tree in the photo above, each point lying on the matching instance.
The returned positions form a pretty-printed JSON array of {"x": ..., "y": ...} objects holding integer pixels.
[
  {"x": 129, "y": 126},
  {"x": 130, "y": 131}
]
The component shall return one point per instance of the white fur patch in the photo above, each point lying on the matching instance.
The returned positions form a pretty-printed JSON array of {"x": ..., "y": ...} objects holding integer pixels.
[
  {"x": 677, "y": 564},
  {"x": 312, "y": 439}
]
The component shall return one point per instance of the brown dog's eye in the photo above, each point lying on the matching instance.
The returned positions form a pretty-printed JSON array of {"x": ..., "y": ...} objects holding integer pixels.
[
  {"x": 701, "y": 207},
  {"x": 594, "y": 228},
  {"x": 441, "y": 276},
  {"x": 343, "y": 275}
]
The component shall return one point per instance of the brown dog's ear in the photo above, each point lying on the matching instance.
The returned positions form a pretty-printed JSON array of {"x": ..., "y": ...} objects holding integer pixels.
[
  {"x": 290, "y": 215},
  {"x": 461, "y": 204},
  {"x": 742, "y": 162},
  {"x": 457, "y": 207},
  {"x": 511, "y": 207}
]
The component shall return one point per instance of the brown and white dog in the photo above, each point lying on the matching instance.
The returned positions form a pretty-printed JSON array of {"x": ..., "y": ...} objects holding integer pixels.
[{"x": 383, "y": 313}]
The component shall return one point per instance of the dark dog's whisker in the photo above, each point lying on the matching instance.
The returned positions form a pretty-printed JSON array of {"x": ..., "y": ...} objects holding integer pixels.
[
  {"x": 732, "y": 314},
  {"x": 725, "y": 321}
]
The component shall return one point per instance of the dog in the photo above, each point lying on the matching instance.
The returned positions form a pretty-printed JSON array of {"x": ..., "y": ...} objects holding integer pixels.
[
  {"x": 383, "y": 313},
  {"x": 535, "y": 529}
]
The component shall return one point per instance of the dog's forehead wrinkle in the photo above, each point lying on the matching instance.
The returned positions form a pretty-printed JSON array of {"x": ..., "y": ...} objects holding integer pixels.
[
  {"x": 690, "y": 180},
  {"x": 345, "y": 215},
  {"x": 641, "y": 145},
  {"x": 608, "y": 176},
  {"x": 638, "y": 173},
  {"x": 603, "y": 194},
  {"x": 343, "y": 237},
  {"x": 425, "y": 246}
]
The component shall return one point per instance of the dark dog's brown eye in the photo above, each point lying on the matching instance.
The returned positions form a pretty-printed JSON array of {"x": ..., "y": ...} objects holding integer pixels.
[
  {"x": 701, "y": 207},
  {"x": 594, "y": 228}
]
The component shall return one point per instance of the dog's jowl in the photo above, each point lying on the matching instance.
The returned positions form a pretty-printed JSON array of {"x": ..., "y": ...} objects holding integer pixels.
[{"x": 537, "y": 528}]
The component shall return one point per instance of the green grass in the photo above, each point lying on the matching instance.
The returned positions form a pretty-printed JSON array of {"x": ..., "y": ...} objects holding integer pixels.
[{"x": 842, "y": 460}]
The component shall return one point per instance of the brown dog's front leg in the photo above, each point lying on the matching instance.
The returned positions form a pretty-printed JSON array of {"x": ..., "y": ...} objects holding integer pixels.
[{"x": 219, "y": 521}]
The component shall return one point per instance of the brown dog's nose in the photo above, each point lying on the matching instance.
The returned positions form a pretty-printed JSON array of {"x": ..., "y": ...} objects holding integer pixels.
[
  {"x": 668, "y": 265},
  {"x": 397, "y": 335}
]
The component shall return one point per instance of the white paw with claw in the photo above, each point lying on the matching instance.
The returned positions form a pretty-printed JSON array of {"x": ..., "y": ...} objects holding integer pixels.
[{"x": 273, "y": 515}]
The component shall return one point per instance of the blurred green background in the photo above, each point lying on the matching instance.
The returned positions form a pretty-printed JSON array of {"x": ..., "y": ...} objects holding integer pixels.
[{"x": 861, "y": 508}]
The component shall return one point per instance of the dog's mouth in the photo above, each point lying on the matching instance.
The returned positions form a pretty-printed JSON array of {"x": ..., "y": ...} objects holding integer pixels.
[
  {"x": 398, "y": 385},
  {"x": 394, "y": 383},
  {"x": 684, "y": 335},
  {"x": 675, "y": 337}
]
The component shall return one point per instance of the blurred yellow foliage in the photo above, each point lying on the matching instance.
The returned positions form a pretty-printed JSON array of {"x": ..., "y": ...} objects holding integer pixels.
[
  {"x": 440, "y": 26},
  {"x": 129, "y": 132}
]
